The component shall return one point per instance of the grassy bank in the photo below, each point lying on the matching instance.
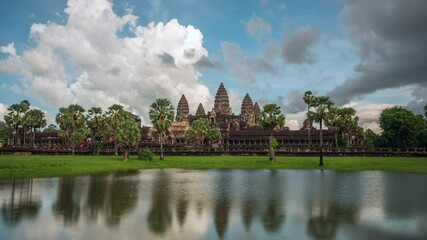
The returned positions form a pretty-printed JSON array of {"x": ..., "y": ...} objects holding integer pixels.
[{"x": 45, "y": 166}]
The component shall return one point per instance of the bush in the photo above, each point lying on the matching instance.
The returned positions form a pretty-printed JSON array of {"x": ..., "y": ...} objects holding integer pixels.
[{"x": 145, "y": 154}]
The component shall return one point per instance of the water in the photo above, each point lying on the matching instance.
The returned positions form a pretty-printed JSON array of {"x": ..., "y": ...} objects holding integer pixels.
[{"x": 216, "y": 204}]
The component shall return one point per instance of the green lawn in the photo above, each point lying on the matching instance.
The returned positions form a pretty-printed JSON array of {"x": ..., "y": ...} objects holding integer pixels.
[{"x": 45, "y": 166}]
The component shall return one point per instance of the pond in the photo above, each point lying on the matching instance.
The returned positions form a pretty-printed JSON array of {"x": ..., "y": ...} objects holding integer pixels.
[{"x": 216, "y": 204}]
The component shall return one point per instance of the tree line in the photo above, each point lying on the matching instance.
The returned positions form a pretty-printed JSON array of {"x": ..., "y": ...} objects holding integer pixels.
[{"x": 401, "y": 128}]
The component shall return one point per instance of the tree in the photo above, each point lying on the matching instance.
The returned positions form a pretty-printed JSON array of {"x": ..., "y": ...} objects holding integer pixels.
[
  {"x": 321, "y": 105},
  {"x": 161, "y": 116},
  {"x": 15, "y": 117},
  {"x": 51, "y": 128},
  {"x": 4, "y": 132},
  {"x": 349, "y": 122},
  {"x": 271, "y": 118},
  {"x": 113, "y": 118},
  {"x": 334, "y": 122},
  {"x": 370, "y": 138},
  {"x": 308, "y": 99},
  {"x": 35, "y": 118},
  {"x": 425, "y": 111},
  {"x": 95, "y": 122},
  {"x": 400, "y": 127},
  {"x": 72, "y": 122},
  {"x": 127, "y": 132},
  {"x": 201, "y": 129}
]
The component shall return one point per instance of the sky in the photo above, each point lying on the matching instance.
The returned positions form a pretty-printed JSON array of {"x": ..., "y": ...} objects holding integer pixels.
[{"x": 369, "y": 55}]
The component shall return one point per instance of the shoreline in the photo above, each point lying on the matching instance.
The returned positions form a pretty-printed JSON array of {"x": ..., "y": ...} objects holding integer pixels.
[{"x": 35, "y": 166}]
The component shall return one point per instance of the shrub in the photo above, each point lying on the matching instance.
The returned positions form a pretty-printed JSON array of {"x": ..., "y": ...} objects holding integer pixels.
[{"x": 145, "y": 154}]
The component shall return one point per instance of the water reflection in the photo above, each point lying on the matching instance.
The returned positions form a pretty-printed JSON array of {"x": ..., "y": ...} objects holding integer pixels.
[
  {"x": 21, "y": 204},
  {"x": 159, "y": 218},
  {"x": 216, "y": 204}
]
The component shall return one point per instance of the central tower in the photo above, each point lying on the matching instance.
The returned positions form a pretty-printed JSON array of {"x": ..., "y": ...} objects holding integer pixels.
[{"x": 222, "y": 103}]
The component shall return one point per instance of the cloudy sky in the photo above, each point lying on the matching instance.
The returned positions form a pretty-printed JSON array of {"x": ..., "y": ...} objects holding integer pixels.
[{"x": 366, "y": 54}]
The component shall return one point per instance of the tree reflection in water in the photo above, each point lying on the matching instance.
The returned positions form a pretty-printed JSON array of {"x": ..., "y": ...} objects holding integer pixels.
[
  {"x": 160, "y": 216},
  {"x": 273, "y": 216},
  {"x": 122, "y": 195},
  {"x": 21, "y": 205},
  {"x": 182, "y": 203},
  {"x": 222, "y": 202},
  {"x": 67, "y": 201},
  {"x": 250, "y": 203},
  {"x": 96, "y": 195}
]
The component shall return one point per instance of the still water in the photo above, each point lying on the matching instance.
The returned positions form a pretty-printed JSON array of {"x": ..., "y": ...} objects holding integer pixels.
[{"x": 216, "y": 204}]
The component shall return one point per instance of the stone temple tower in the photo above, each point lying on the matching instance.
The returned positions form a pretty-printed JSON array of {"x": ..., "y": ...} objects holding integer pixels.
[
  {"x": 222, "y": 103},
  {"x": 247, "y": 111},
  {"x": 183, "y": 110},
  {"x": 257, "y": 113},
  {"x": 200, "y": 110}
]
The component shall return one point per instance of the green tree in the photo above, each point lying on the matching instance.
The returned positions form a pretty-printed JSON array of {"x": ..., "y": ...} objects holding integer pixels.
[
  {"x": 400, "y": 127},
  {"x": 72, "y": 122},
  {"x": 161, "y": 116},
  {"x": 308, "y": 99},
  {"x": 4, "y": 133},
  {"x": 349, "y": 122},
  {"x": 334, "y": 122},
  {"x": 35, "y": 118},
  {"x": 15, "y": 118},
  {"x": 271, "y": 117},
  {"x": 425, "y": 111},
  {"x": 370, "y": 138},
  {"x": 95, "y": 122},
  {"x": 127, "y": 133},
  {"x": 200, "y": 130},
  {"x": 51, "y": 128},
  {"x": 321, "y": 105},
  {"x": 114, "y": 115}
]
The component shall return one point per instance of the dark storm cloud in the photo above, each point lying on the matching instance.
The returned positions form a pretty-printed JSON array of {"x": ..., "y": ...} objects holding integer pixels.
[
  {"x": 391, "y": 37},
  {"x": 296, "y": 47},
  {"x": 291, "y": 104}
]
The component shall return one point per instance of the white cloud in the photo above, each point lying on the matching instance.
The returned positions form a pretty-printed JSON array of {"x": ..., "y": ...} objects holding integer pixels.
[
  {"x": 293, "y": 124},
  {"x": 86, "y": 62},
  {"x": 235, "y": 101},
  {"x": 3, "y": 111},
  {"x": 9, "y": 49}
]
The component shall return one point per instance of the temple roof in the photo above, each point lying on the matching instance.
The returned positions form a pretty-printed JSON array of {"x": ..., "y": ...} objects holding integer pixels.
[
  {"x": 200, "y": 110},
  {"x": 222, "y": 103},
  {"x": 247, "y": 105},
  {"x": 183, "y": 109},
  {"x": 257, "y": 110}
]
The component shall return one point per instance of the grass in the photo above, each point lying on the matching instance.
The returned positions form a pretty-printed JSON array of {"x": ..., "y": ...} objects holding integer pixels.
[{"x": 12, "y": 166}]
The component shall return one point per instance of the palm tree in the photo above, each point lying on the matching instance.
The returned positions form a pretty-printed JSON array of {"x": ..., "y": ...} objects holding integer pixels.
[
  {"x": 202, "y": 129},
  {"x": 308, "y": 99},
  {"x": 271, "y": 118},
  {"x": 72, "y": 123},
  {"x": 35, "y": 118},
  {"x": 113, "y": 118},
  {"x": 334, "y": 122},
  {"x": 349, "y": 122},
  {"x": 15, "y": 117},
  {"x": 161, "y": 116},
  {"x": 322, "y": 105},
  {"x": 127, "y": 132},
  {"x": 95, "y": 123}
]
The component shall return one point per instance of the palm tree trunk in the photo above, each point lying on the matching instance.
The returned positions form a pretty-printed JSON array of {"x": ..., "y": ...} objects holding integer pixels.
[
  {"x": 309, "y": 129},
  {"x": 161, "y": 146},
  {"x": 34, "y": 136},
  {"x": 321, "y": 145},
  {"x": 23, "y": 128},
  {"x": 272, "y": 156},
  {"x": 336, "y": 140},
  {"x": 126, "y": 157},
  {"x": 116, "y": 151},
  {"x": 94, "y": 147}
]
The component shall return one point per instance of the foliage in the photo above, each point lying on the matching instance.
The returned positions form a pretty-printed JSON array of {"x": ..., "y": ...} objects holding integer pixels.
[
  {"x": 127, "y": 132},
  {"x": 422, "y": 138},
  {"x": 274, "y": 143},
  {"x": 161, "y": 115},
  {"x": 201, "y": 129},
  {"x": 4, "y": 132},
  {"x": 145, "y": 154},
  {"x": 15, "y": 116},
  {"x": 322, "y": 106},
  {"x": 97, "y": 125},
  {"x": 400, "y": 127},
  {"x": 271, "y": 118},
  {"x": 72, "y": 122},
  {"x": 51, "y": 128},
  {"x": 113, "y": 117},
  {"x": 34, "y": 119}
]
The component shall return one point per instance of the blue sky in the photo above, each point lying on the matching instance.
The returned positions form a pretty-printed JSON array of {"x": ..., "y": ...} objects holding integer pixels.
[{"x": 98, "y": 52}]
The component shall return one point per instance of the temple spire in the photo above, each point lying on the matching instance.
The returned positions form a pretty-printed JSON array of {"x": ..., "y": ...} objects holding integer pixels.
[
  {"x": 222, "y": 103},
  {"x": 183, "y": 110},
  {"x": 200, "y": 110},
  {"x": 257, "y": 112}
]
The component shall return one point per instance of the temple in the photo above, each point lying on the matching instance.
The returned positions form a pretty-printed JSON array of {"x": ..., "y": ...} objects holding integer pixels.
[{"x": 240, "y": 133}]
